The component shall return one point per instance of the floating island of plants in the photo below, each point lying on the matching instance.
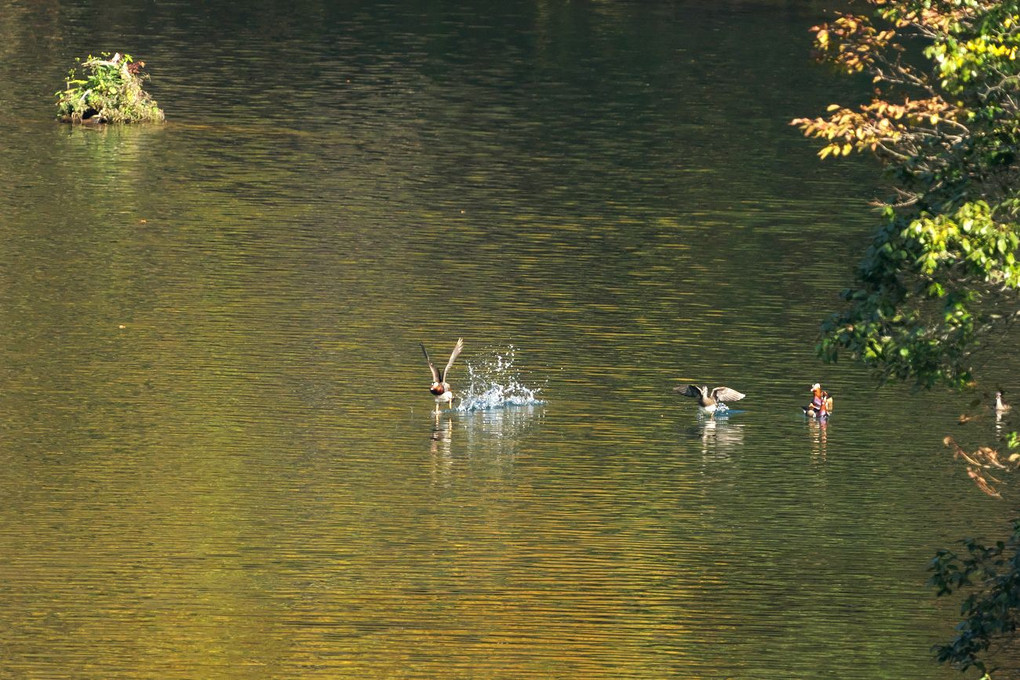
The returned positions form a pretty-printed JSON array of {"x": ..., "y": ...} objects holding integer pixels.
[{"x": 107, "y": 90}]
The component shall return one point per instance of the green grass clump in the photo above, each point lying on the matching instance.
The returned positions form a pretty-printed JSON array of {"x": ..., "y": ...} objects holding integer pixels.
[{"x": 109, "y": 90}]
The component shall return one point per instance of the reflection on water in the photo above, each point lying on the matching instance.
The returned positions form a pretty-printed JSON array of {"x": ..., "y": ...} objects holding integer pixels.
[
  {"x": 1004, "y": 424},
  {"x": 720, "y": 437},
  {"x": 218, "y": 456},
  {"x": 819, "y": 435},
  {"x": 502, "y": 429},
  {"x": 440, "y": 449},
  {"x": 495, "y": 435}
]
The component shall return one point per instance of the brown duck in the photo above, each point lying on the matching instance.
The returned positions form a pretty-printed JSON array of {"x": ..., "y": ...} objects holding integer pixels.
[
  {"x": 440, "y": 387},
  {"x": 708, "y": 402}
]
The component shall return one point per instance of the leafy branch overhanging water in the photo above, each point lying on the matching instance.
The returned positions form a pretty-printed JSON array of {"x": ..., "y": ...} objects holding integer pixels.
[{"x": 940, "y": 284}]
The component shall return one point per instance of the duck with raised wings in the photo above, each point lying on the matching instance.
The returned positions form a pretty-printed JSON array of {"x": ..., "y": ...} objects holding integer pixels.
[
  {"x": 710, "y": 402},
  {"x": 440, "y": 387}
]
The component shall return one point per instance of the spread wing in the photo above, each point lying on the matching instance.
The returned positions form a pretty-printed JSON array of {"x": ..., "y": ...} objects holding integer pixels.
[
  {"x": 688, "y": 390},
  {"x": 726, "y": 394},
  {"x": 435, "y": 374},
  {"x": 453, "y": 355}
]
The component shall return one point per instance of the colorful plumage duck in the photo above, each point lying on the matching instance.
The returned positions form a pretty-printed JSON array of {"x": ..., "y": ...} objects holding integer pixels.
[
  {"x": 710, "y": 402},
  {"x": 440, "y": 388},
  {"x": 821, "y": 403}
]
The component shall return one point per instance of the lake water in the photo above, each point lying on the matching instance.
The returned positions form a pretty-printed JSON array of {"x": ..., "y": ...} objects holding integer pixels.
[{"x": 218, "y": 447}]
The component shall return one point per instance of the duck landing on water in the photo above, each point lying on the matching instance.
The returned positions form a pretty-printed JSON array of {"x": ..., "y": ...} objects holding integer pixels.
[{"x": 710, "y": 402}]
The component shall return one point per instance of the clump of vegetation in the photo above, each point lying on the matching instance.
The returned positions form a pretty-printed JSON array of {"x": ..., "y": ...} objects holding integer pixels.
[{"x": 107, "y": 90}]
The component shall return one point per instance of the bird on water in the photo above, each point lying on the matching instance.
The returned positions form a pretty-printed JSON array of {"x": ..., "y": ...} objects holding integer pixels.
[
  {"x": 821, "y": 404},
  {"x": 1001, "y": 407},
  {"x": 710, "y": 402},
  {"x": 440, "y": 388}
]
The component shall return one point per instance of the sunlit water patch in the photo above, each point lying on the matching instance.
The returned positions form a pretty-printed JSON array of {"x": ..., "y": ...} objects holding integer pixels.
[{"x": 494, "y": 382}]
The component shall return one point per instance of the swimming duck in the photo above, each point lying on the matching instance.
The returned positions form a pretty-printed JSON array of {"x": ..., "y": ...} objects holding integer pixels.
[
  {"x": 821, "y": 403},
  {"x": 1001, "y": 407},
  {"x": 440, "y": 388},
  {"x": 710, "y": 402}
]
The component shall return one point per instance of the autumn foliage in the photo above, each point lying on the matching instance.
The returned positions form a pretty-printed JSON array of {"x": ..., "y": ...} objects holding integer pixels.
[{"x": 940, "y": 280}]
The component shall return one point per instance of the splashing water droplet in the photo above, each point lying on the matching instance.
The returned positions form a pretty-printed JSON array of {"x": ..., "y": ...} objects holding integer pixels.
[{"x": 493, "y": 382}]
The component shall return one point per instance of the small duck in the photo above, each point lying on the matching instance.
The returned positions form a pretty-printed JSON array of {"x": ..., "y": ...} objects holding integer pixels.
[
  {"x": 440, "y": 388},
  {"x": 1001, "y": 407},
  {"x": 710, "y": 402},
  {"x": 821, "y": 403}
]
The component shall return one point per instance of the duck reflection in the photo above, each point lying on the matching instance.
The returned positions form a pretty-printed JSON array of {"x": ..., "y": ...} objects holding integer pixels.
[
  {"x": 442, "y": 431},
  {"x": 819, "y": 437},
  {"x": 493, "y": 436},
  {"x": 441, "y": 445},
  {"x": 718, "y": 437},
  {"x": 500, "y": 429}
]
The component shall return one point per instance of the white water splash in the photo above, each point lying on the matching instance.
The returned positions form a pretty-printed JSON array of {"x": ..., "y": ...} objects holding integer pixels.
[{"x": 494, "y": 382}]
